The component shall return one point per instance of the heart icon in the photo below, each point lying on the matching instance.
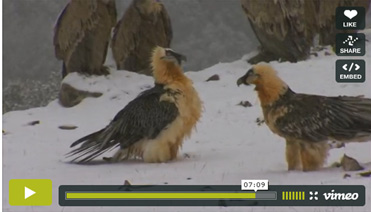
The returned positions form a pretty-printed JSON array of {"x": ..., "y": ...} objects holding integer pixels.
[{"x": 350, "y": 13}]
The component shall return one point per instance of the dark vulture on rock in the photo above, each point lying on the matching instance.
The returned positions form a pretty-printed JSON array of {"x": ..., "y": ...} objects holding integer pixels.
[
  {"x": 287, "y": 30},
  {"x": 82, "y": 33},
  {"x": 145, "y": 25}
]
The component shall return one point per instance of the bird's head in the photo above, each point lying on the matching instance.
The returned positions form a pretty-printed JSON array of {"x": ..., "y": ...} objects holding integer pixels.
[
  {"x": 167, "y": 56},
  {"x": 166, "y": 63},
  {"x": 249, "y": 78},
  {"x": 108, "y": 2},
  {"x": 261, "y": 74},
  {"x": 148, "y": 6},
  {"x": 267, "y": 83},
  {"x": 173, "y": 57}
]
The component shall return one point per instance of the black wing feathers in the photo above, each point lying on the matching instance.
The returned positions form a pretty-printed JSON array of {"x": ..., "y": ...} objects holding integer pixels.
[
  {"x": 88, "y": 137},
  {"x": 143, "y": 118},
  {"x": 318, "y": 118}
]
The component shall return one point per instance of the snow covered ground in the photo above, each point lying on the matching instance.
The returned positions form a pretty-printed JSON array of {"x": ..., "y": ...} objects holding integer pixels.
[{"x": 227, "y": 146}]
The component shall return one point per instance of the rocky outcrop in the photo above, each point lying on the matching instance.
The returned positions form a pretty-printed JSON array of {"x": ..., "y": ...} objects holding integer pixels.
[{"x": 70, "y": 96}]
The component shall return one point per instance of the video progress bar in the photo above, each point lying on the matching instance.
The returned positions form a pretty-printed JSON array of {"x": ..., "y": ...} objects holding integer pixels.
[
  {"x": 208, "y": 195},
  {"x": 266, "y": 195}
]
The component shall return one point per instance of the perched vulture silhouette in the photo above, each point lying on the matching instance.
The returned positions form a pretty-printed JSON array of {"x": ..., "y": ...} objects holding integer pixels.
[
  {"x": 286, "y": 30},
  {"x": 82, "y": 33},
  {"x": 283, "y": 28},
  {"x": 145, "y": 25}
]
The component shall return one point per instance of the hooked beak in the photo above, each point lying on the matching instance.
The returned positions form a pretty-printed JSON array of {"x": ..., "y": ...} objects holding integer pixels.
[
  {"x": 171, "y": 55},
  {"x": 242, "y": 80},
  {"x": 179, "y": 57},
  {"x": 247, "y": 78}
]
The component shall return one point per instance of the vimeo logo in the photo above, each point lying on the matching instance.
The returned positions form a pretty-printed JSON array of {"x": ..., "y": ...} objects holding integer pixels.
[{"x": 340, "y": 196}]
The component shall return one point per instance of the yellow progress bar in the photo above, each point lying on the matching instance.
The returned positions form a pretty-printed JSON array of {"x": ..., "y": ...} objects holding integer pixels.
[{"x": 160, "y": 196}]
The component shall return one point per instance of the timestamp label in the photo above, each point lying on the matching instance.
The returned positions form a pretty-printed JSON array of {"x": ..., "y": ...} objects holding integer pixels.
[{"x": 254, "y": 185}]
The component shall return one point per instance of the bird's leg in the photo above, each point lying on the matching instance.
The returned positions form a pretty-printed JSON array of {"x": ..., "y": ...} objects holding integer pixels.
[
  {"x": 313, "y": 155},
  {"x": 293, "y": 154},
  {"x": 64, "y": 70},
  {"x": 174, "y": 148},
  {"x": 157, "y": 152}
]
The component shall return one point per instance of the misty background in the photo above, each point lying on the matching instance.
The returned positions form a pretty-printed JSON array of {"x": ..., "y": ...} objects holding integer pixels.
[{"x": 206, "y": 31}]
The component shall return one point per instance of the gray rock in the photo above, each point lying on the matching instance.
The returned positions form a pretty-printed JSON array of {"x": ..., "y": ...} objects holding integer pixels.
[{"x": 70, "y": 96}]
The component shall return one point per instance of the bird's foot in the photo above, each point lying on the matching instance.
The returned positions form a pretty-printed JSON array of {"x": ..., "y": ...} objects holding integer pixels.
[
  {"x": 104, "y": 71},
  {"x": 109, "y": 159},
  {"x": 260, "y": 121},
  {"x": 336, "y": 144}
]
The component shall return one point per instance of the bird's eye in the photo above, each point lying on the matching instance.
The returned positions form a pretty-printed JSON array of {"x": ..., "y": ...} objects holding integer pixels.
[
  {"x": 250, "y": 72},
  {"x": 168, "y": 53}
]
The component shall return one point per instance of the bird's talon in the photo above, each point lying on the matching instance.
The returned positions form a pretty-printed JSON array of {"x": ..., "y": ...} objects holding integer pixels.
[{"x": 108, "y": 159}]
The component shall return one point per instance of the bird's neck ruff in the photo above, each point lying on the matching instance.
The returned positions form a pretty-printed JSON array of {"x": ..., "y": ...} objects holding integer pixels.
[
  {"x": 166, "y": 72},
  {"x": 270, "y": 89}
]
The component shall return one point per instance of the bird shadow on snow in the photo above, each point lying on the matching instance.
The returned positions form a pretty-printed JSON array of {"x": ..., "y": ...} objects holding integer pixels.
[
  {"x": 328, "y": 171},
  {"x": 282, "y": 170},
  {"x": 103, "y": 162},
  {"x": 182, "y": 157}
]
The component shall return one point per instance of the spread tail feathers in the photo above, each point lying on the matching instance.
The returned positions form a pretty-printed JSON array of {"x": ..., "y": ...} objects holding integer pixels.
[{"x": 92, "y": 146}]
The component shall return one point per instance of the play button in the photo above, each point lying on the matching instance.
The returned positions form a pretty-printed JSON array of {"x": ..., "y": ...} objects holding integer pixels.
[{"x": 28, "y": 192}]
